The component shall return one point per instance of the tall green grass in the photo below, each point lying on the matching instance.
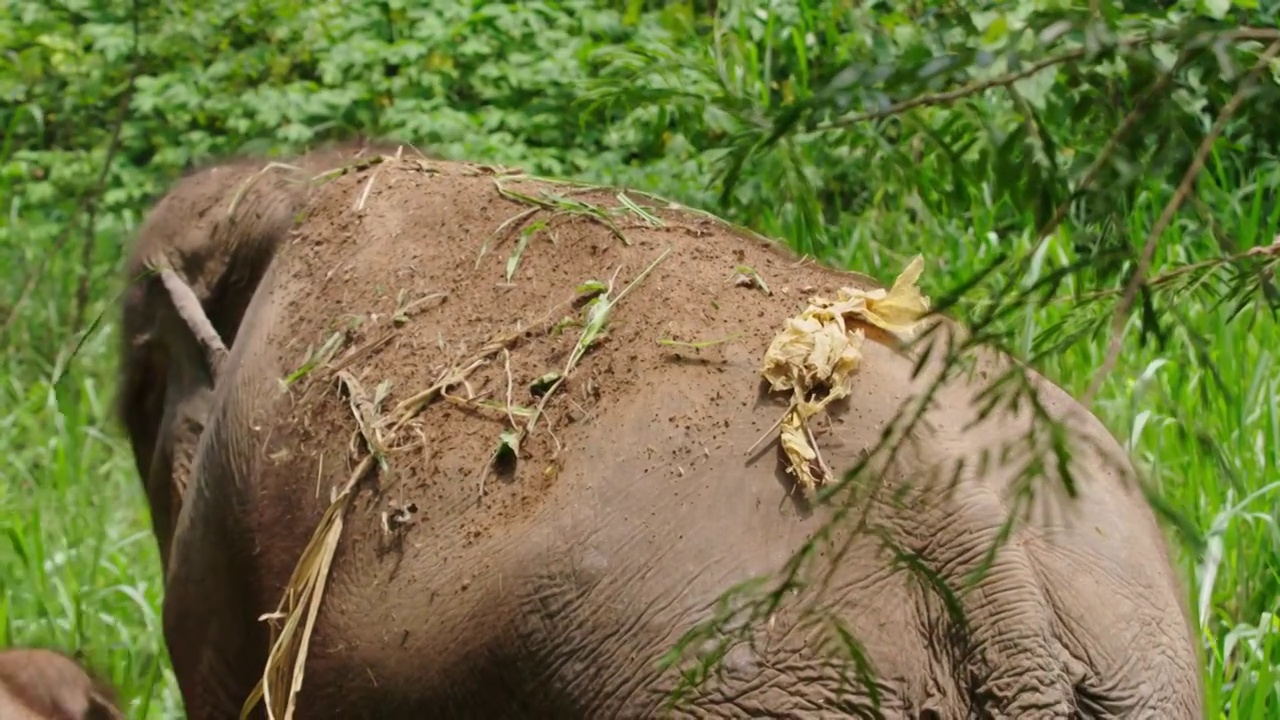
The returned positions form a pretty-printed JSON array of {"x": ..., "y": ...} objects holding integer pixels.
[{"x": 79, "y": 569}]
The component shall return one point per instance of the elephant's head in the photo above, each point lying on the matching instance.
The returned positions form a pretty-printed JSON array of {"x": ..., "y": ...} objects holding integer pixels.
[
  {"x": 46, "y": 685},
  {"x": 194, "y": 265}
]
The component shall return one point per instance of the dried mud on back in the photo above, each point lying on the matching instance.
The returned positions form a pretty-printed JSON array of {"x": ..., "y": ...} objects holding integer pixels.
[
  {"x": 457, "y": 325},
  {"x": 517, "y": 306}
]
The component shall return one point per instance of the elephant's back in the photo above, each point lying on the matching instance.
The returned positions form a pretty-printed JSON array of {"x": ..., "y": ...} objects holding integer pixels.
[
  {"x": 411, "y": 271},
  {"x": 439, "y": 302},
  {"x": 408, "y": 272},
  {"x": 428, "y": 312}
]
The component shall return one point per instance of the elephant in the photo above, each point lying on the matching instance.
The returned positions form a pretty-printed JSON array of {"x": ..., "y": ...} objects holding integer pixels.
[
  {"x": 207, "y": 240},
  {"x": 40, "y": 684},
  {"x": 513, "y": 438}
]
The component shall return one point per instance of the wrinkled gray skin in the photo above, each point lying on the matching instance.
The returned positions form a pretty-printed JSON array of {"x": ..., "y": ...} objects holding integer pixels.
[
  {"x": 563, "y": 613},
  {"x": 38, "y": 684}
]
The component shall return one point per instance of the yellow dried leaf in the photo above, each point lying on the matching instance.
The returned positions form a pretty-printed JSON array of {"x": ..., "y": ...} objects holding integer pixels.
[
  {"x": 812, "y": 351},
  {"x": 901, "y": 307},
  {"x": 818, "y": 349},
  {"x": 795, "y": 443}
]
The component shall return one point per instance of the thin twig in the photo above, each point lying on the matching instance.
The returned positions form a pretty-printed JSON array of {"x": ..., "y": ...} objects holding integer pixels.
[
  {"x": 1129, "y": 122},
  {"x": 1125, "y": 306},
  {"x": 506, "y": 361},
  {"x": 87, "y": 204},
  {"x": 90, "y": 230},
  {"x": 1272, "y": 250},
  {"x": 1009, "y": 78},
  {"x": 951, "y": 96},
  {"x": 587, "y": 339}
]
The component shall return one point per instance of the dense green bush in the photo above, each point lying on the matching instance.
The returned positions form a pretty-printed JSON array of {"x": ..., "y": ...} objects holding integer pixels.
[{"x": 859, "y": 132}]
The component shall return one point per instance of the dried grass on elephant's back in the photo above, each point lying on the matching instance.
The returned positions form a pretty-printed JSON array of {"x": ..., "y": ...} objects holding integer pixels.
[
  {"x": 818, "y": 350},
  {"x": 286, "y": 661},
  {"x": 305, "y": 589}
]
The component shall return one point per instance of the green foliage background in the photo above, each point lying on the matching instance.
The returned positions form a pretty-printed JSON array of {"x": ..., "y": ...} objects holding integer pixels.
[{"x": 787, "y": 116}]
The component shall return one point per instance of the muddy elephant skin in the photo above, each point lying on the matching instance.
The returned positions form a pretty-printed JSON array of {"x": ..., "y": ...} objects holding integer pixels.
[
  {"x": 547, "y": 580},
  {"x": 38, "y": 684},
  {"x": 217, "y": 228}
]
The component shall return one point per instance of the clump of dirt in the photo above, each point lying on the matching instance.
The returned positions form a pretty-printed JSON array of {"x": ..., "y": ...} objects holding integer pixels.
[{"x": 521, "y": 304}]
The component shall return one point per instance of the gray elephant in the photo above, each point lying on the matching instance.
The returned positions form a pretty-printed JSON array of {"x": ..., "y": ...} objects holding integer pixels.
[{"x": 484, "y": 446}]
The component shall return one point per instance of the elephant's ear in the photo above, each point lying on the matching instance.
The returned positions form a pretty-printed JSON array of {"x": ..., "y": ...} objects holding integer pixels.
[{"x": 188, "y": 307}]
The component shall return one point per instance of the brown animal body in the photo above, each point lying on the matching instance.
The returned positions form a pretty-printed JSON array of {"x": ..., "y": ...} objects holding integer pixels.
[
  {"x": 217, "y": 229},
  {"x": 38, "y": 684},
  {"x": 467, "y": 585}
]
